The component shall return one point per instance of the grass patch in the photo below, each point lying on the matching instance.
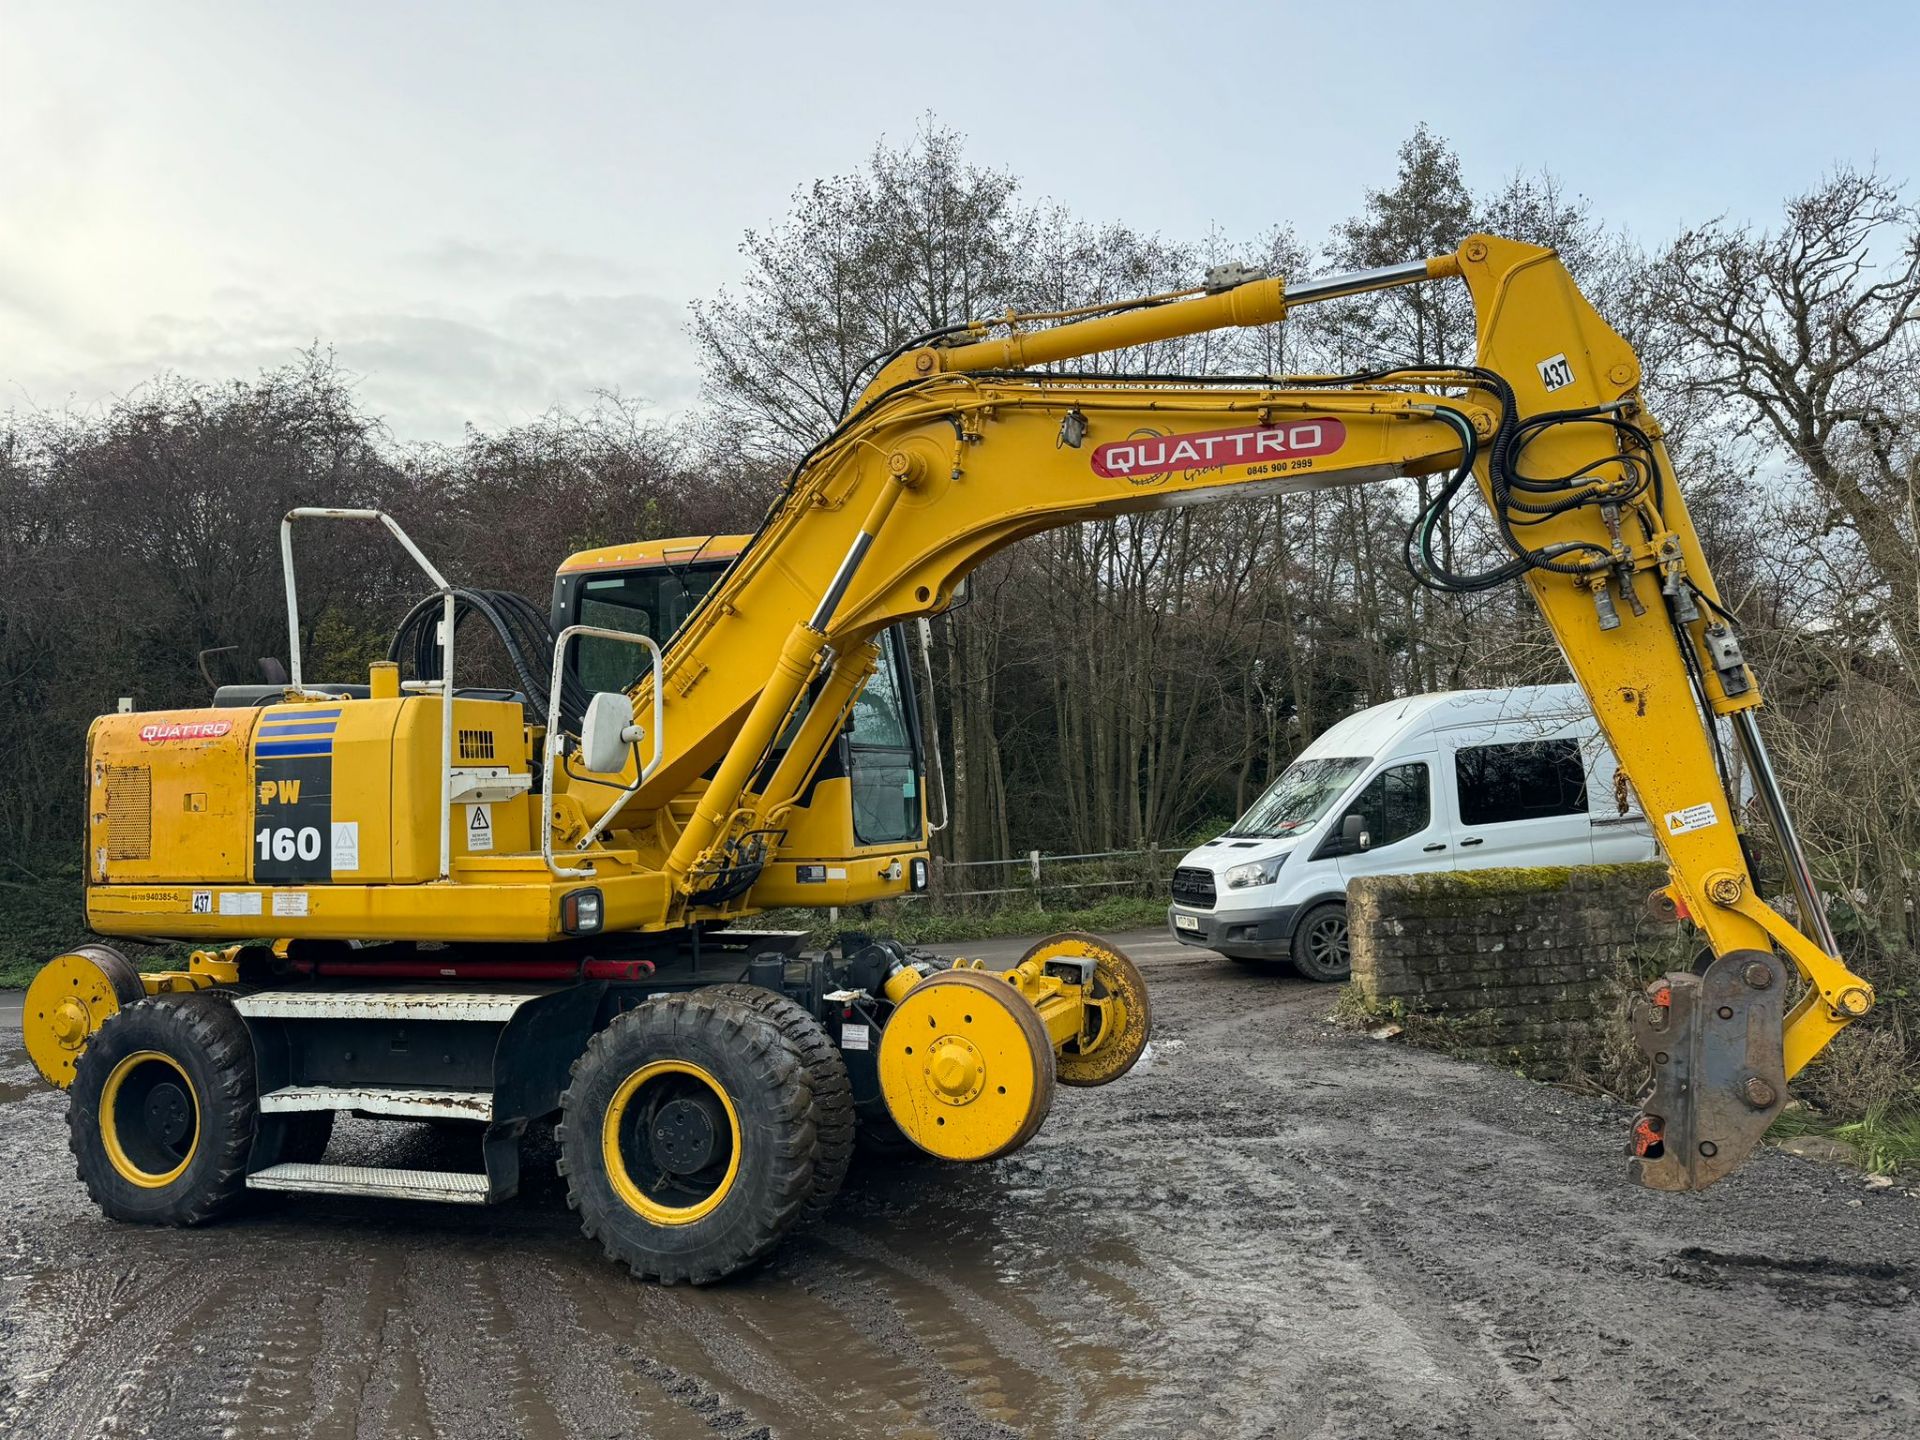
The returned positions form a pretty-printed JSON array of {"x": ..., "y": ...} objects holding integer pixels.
[
  {"x": 41, "y": 915},
  {"x": 1887, "y": 1143}
]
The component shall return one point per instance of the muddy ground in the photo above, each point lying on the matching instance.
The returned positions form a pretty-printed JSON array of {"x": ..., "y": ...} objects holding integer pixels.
[{"x": 1269, "y": 1229}]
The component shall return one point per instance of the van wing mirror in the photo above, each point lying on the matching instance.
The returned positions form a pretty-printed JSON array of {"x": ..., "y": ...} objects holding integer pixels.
[
  {"x": 1353, "y": 830},
  {"x": 607, "y": 733}
]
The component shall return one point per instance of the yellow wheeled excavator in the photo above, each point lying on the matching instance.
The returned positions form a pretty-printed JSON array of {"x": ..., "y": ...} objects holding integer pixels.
[{"x": 423, "y": 900}]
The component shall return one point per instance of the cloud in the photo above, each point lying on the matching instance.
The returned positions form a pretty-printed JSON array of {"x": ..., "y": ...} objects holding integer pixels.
[
  {"x": 516, "y": 265},
  {"x": 427, "y": 371}
]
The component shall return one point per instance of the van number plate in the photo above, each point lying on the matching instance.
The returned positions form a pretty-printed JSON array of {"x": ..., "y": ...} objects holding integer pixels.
[{"x": 1186, "y": 922}]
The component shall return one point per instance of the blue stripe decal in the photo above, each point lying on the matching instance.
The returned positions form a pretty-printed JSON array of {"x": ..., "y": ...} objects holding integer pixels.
[
  {"x": 294, "y": 747},
  {"x": 273, "y": 730}
]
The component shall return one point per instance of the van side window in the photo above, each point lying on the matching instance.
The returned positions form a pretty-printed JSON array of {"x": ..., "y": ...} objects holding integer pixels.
[
  {"x": 1526, "y": 781},
  {"x": 1397, "y": 802}
]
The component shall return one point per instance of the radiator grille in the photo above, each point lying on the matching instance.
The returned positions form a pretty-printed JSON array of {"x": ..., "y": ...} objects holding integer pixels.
[
  {"x": 1193, "y": 886},
  {"x": 476, "y": 745},
  {"x": 129, "y": 812}
]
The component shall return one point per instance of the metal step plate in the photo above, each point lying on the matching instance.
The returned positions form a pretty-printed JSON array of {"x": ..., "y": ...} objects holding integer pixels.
[
  {"x": 450, "y": 1188},
  {"x": 496, "y": 1006},
  {"x": 382, "y": 1100}
]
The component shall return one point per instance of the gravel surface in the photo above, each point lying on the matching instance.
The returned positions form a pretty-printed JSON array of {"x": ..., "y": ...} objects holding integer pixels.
[{"x": 1269, "y": 1229}]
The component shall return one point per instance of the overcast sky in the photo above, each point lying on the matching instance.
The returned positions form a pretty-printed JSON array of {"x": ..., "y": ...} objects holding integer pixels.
[{"x": 490, "y": 209}]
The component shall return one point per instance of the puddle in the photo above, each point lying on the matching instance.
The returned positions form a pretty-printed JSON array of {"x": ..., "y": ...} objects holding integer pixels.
[{"x": 1809, "y": 1280}]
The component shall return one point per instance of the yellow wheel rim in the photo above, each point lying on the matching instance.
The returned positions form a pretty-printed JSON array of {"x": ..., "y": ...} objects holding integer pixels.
[
  {"x": 670, "y": 1142},
  {"x": 966, "y": 1068},
  {"x": 149, "y": 1119}
]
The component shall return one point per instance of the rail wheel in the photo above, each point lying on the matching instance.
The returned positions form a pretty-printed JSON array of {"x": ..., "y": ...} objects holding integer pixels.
[
  {"x": 68, "y": 1001},
  {"x": 1120, "y": 996},
  {"x": 687, "y": 1138},
  {"x": 163, "y": 1111},
  {"x": 832, "y": 1109},
  {"x": 966, "y": 1066}
]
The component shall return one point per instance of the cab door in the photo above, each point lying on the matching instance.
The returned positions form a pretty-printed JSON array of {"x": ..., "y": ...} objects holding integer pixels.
[
  {"x": 1402, "y": 828},
  {"x": 883, "y": 752}
]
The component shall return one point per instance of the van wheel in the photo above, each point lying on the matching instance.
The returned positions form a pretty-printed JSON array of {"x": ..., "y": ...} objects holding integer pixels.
[{"x": 1320, "y": 943}]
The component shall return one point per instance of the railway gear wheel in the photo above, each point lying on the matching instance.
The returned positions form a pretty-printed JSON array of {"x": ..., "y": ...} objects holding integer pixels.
[
  {"x": 68, "y": 1002},
  {"x": 686, "y": 1137},
  {"x": 1125, "y": 1015},
  {"x": 1320, "y": 943},
  {"x": 832, "y": 1114},
  {"x": 163, "y": 1109},
  {"x": 966, "y": 1066}
]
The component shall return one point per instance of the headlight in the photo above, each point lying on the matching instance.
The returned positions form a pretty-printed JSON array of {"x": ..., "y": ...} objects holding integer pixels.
[
  {"x": 580, "y": 912},
  {"x": 1255, "y": 872}
]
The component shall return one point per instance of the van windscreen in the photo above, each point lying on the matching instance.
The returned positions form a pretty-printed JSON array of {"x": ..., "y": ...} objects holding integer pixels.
[{"x": 1304, "y": 792}]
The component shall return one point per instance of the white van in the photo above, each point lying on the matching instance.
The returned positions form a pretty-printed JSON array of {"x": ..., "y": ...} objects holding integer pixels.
[{"x": 1460, "y": 780}]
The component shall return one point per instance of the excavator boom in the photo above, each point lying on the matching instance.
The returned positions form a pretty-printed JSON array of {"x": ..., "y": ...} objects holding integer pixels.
[{"x": 957, "y": 450}]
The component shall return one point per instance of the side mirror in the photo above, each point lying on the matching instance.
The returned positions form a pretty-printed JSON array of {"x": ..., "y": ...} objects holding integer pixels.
[
  {"x": 607, "y": 733},
  {"x": 1353, "y": 830}
]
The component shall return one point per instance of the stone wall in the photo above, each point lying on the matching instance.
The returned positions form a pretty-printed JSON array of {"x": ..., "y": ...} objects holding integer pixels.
[{"x": 1521, "y": 967}]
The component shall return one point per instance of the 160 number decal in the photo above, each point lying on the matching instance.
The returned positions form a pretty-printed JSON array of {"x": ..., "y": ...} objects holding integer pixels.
[{"x": 285, "y": 843}]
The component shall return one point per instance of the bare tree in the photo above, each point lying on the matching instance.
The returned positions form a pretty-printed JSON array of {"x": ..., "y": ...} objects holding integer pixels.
[{"x": 1810, "y": 334}]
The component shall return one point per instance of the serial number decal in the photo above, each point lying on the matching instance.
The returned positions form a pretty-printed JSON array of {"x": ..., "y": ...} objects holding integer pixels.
[
  {"x": 1145, "y": 459},
  {"x": 1555, "y": 373}
]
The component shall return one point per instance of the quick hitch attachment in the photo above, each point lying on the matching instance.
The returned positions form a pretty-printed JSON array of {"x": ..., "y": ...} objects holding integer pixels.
[{"x": 1719, "y": 1080}]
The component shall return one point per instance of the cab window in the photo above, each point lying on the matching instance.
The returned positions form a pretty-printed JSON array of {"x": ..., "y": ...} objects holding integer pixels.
[
  {"x": 1530, "y": 780},
  {"x": 1397, "y": 802},
  {"x": 654, "y": 602}
]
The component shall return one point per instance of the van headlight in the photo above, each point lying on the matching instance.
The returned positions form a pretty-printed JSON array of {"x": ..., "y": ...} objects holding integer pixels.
[{"x": 1254, "y": 872}]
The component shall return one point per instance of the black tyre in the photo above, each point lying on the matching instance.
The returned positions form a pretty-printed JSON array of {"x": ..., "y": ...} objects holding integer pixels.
[
  {"x": 686, "y": 1137},
  {"x": 1320, "y": 943},
  {"x": 832, "y": 1110},
  {"x": 162, "y": 1113}
]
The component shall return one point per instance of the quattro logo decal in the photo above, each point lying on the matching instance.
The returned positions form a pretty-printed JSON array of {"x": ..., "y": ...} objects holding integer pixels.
[
  {"x": 1147, "y": 458},
  {"x": 185, "y": 730}
]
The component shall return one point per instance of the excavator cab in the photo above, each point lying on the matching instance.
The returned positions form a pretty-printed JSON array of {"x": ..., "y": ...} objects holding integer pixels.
[{"x": 867, "y": 798}]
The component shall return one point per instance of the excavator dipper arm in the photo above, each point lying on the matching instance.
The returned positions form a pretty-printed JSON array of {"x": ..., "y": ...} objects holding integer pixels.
[{"x": 959, "y": 449}]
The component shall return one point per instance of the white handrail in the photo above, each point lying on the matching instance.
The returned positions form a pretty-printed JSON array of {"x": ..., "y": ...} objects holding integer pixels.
[
  {"x": 554, "y": 740},
  {"x": 297, "y": 692}
]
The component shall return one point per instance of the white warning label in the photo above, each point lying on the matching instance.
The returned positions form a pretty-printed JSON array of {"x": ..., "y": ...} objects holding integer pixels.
[
  {"x": 479, "y": 827},
  {"x": 346, "y": 845},
  {"x": 240, "y": 902},
  {"x": 1694, "y": 817},
  {"x": 290, "y": 902},
  {"x": 854, "y": 1037}
]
